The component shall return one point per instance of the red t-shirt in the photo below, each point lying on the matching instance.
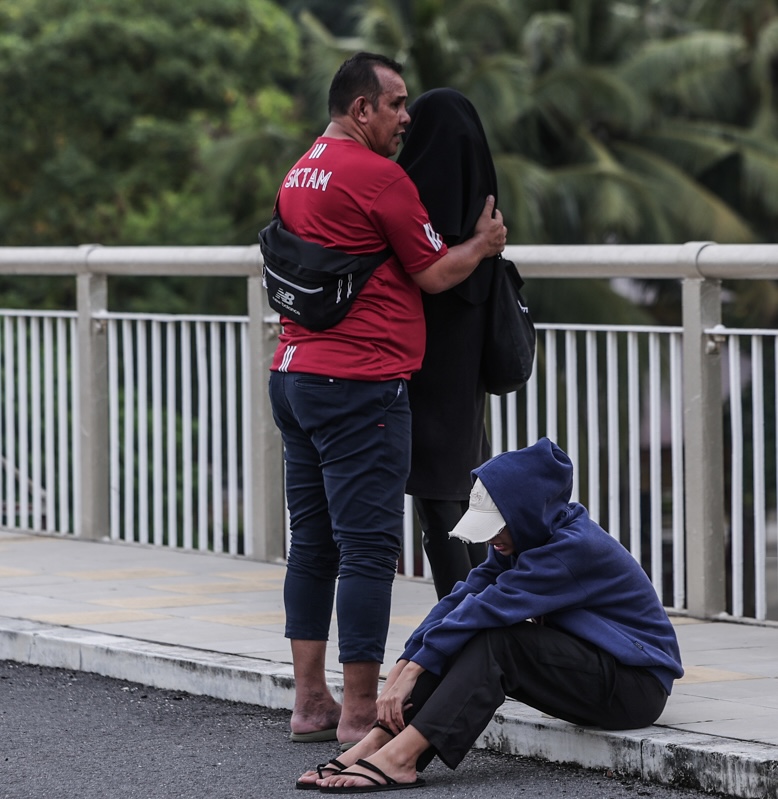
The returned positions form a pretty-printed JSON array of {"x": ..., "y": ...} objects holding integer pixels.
[{"x": 341, "y": 194}]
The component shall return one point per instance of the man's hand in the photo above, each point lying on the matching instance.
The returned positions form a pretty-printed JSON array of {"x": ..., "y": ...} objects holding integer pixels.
[
  {"x": 491, "y": 229},
  {"x": 488, "y": 239}
]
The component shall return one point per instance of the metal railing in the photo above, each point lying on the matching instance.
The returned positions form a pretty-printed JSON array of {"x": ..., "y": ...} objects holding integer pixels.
[
  {"x": 38, "y": 421},
  {"x": 612, "y": 397},
  {"x": 179, "y": 431},
  {"x": 157, "y": 428}
]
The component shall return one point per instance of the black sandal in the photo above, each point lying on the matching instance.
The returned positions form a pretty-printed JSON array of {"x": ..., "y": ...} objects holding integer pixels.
[
  {"x": 333, "y": 766},
  {"x": 388, "y": 784}
]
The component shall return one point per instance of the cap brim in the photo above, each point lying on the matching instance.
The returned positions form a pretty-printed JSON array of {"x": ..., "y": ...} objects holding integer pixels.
[{"x": 478, "y": 526}]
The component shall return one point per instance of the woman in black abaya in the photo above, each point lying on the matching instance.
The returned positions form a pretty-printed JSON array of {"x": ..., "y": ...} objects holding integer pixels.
[{"x": 446, "y": 154}]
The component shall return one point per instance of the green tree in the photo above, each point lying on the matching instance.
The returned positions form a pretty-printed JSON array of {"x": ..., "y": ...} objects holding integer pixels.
[{"x": 108, "y": 107}]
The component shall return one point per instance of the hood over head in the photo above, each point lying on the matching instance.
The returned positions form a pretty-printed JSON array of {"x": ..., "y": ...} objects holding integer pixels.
[
  {"x": 527, "y": 489},
  {"x": 446, "y": 154}
]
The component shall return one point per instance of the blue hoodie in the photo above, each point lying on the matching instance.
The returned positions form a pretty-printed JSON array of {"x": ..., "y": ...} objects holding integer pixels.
[{"x": 566, "y": 568}]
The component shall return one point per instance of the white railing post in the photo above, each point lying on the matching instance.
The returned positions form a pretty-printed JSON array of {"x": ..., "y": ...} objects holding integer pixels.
[
  {"x": 266, "y": 487},
  {"x": 704, "y": 449},
  {"x": 93, "y": 465}
]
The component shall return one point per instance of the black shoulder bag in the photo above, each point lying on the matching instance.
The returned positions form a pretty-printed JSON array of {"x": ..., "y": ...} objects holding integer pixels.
[
  {"x": 312, "y": 284},
  {"x": 509, "y": 345}
]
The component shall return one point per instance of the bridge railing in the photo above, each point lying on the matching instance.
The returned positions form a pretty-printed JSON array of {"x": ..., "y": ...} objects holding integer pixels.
[{"x": 157, "y": 428}]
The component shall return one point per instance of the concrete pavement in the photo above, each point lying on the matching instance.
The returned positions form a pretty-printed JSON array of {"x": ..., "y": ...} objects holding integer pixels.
[{"x": 213, "y": 624}]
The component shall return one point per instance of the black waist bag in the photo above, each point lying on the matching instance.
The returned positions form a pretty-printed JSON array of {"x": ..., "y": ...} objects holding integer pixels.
[{"x": 311, "y": 284}]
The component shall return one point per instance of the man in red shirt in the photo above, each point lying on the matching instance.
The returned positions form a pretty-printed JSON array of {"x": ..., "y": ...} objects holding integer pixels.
[{"x": 339, "y": 396}]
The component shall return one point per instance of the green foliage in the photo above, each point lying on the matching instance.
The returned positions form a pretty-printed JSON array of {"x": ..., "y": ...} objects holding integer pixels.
[
  {"x": 149, "y": 122},
  {"x": 634, "y": 121},
  {"x": 696, "y": 76},
  {"x": 107, "y": 107},
  {"x": 336, "y": 15}
]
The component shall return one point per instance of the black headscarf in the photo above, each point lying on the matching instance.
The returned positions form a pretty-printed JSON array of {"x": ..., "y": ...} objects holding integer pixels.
[{"x": 446, "y": 154}]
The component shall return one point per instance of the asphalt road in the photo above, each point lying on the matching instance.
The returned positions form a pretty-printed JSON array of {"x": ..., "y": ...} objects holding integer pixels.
[{"x": 72, "y": 735}]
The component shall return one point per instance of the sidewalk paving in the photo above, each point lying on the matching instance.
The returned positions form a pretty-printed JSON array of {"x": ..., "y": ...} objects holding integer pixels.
[{"x": 213, "y": 624}]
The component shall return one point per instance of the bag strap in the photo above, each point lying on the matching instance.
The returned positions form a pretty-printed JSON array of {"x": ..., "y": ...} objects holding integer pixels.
[{"x": 290, "y": 249}]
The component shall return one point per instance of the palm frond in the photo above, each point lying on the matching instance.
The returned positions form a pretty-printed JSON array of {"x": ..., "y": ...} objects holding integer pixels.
[
  {"x": 569, "y": 98},
  {"x": 500, "y": 89},
  {"x": 715, "y": 91},
  {"x": 527, "y": 198},
  {"x": 760, "y": 180},
  {"x": 484, "y": 27},
  {"x": 758, "y": 154},
  {"x": 324, "y": 53},
  {"x": 690, "y": 150},
  {"x": 698, "y": 213},
  {"x": 601, "y": 204},
  {"x": 548, "y": 42},
  {"x": 660, "y": 61},
  {"x": 697, "y": 74},
  {"x": 605, "y": 29},
  {"x": 765, "y": 53},
  {"x": 381, "y": 23}
]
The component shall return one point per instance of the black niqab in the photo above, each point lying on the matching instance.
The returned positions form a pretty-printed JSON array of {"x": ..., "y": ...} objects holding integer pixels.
[{"x": 446, "y": 154}]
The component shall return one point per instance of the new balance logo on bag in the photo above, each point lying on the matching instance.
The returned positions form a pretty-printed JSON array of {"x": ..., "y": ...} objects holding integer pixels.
[{"x": 286, "y": 298}]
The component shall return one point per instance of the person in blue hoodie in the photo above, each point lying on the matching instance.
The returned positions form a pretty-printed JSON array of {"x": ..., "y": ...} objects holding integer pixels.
[{"x": 560, "y": 616}]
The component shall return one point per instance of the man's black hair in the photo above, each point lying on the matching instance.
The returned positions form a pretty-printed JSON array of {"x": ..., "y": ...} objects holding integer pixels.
[{"x": 356, "y": 77}]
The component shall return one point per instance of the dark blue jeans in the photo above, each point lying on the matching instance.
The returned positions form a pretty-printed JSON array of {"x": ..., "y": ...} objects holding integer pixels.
[{"x": 347, "y": 452}]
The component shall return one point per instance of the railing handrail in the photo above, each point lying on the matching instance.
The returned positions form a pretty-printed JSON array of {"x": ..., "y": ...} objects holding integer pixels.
[
  {"x": 94, "y": 259},
  {"x": 701, "y": 260}
]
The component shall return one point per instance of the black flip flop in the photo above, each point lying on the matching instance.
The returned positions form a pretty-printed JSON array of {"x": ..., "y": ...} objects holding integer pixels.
[
  {"x": 333, "y": 765},
  {"x": 389, "y": 783}
]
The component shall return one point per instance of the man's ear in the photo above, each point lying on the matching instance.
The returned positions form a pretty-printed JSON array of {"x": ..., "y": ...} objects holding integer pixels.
[{"x": 359, "y": 109}]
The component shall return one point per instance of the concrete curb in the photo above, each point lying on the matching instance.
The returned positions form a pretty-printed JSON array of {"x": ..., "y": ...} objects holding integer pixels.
[{"x": 655, "y": 754}]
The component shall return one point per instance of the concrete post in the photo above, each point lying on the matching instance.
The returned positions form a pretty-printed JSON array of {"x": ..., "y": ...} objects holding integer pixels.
[
  {"x": 704, "y": 450},
  {"x": 267, "y": 488},
  {"x": 93, "y": 466}
]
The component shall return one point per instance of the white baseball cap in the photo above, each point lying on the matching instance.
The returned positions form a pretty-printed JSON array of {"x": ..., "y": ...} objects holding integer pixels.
[{"x": 482, "y": 521}]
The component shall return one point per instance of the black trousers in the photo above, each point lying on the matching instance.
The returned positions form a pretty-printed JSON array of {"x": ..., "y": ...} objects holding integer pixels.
[
  {"x": 450, "y": 558},
  {"x": 550, "y": 670}
]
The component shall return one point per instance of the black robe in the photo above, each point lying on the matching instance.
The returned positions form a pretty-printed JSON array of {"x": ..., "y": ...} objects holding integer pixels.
[{"x": 446, "y": 154}]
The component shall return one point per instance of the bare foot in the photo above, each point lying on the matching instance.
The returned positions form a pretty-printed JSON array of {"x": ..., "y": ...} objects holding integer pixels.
[
  {"x": 349, "y": 732},
  {"x": 315, "y": 713}
]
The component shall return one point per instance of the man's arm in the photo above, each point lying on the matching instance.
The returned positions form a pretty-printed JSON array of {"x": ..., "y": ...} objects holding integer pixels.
[{"x": 459, "y": 262}]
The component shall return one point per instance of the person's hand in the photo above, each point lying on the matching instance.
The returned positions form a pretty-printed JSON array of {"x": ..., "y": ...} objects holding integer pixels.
[
  {"x": 395, "y": 695},
  {"x": 490, "y": 229}
]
